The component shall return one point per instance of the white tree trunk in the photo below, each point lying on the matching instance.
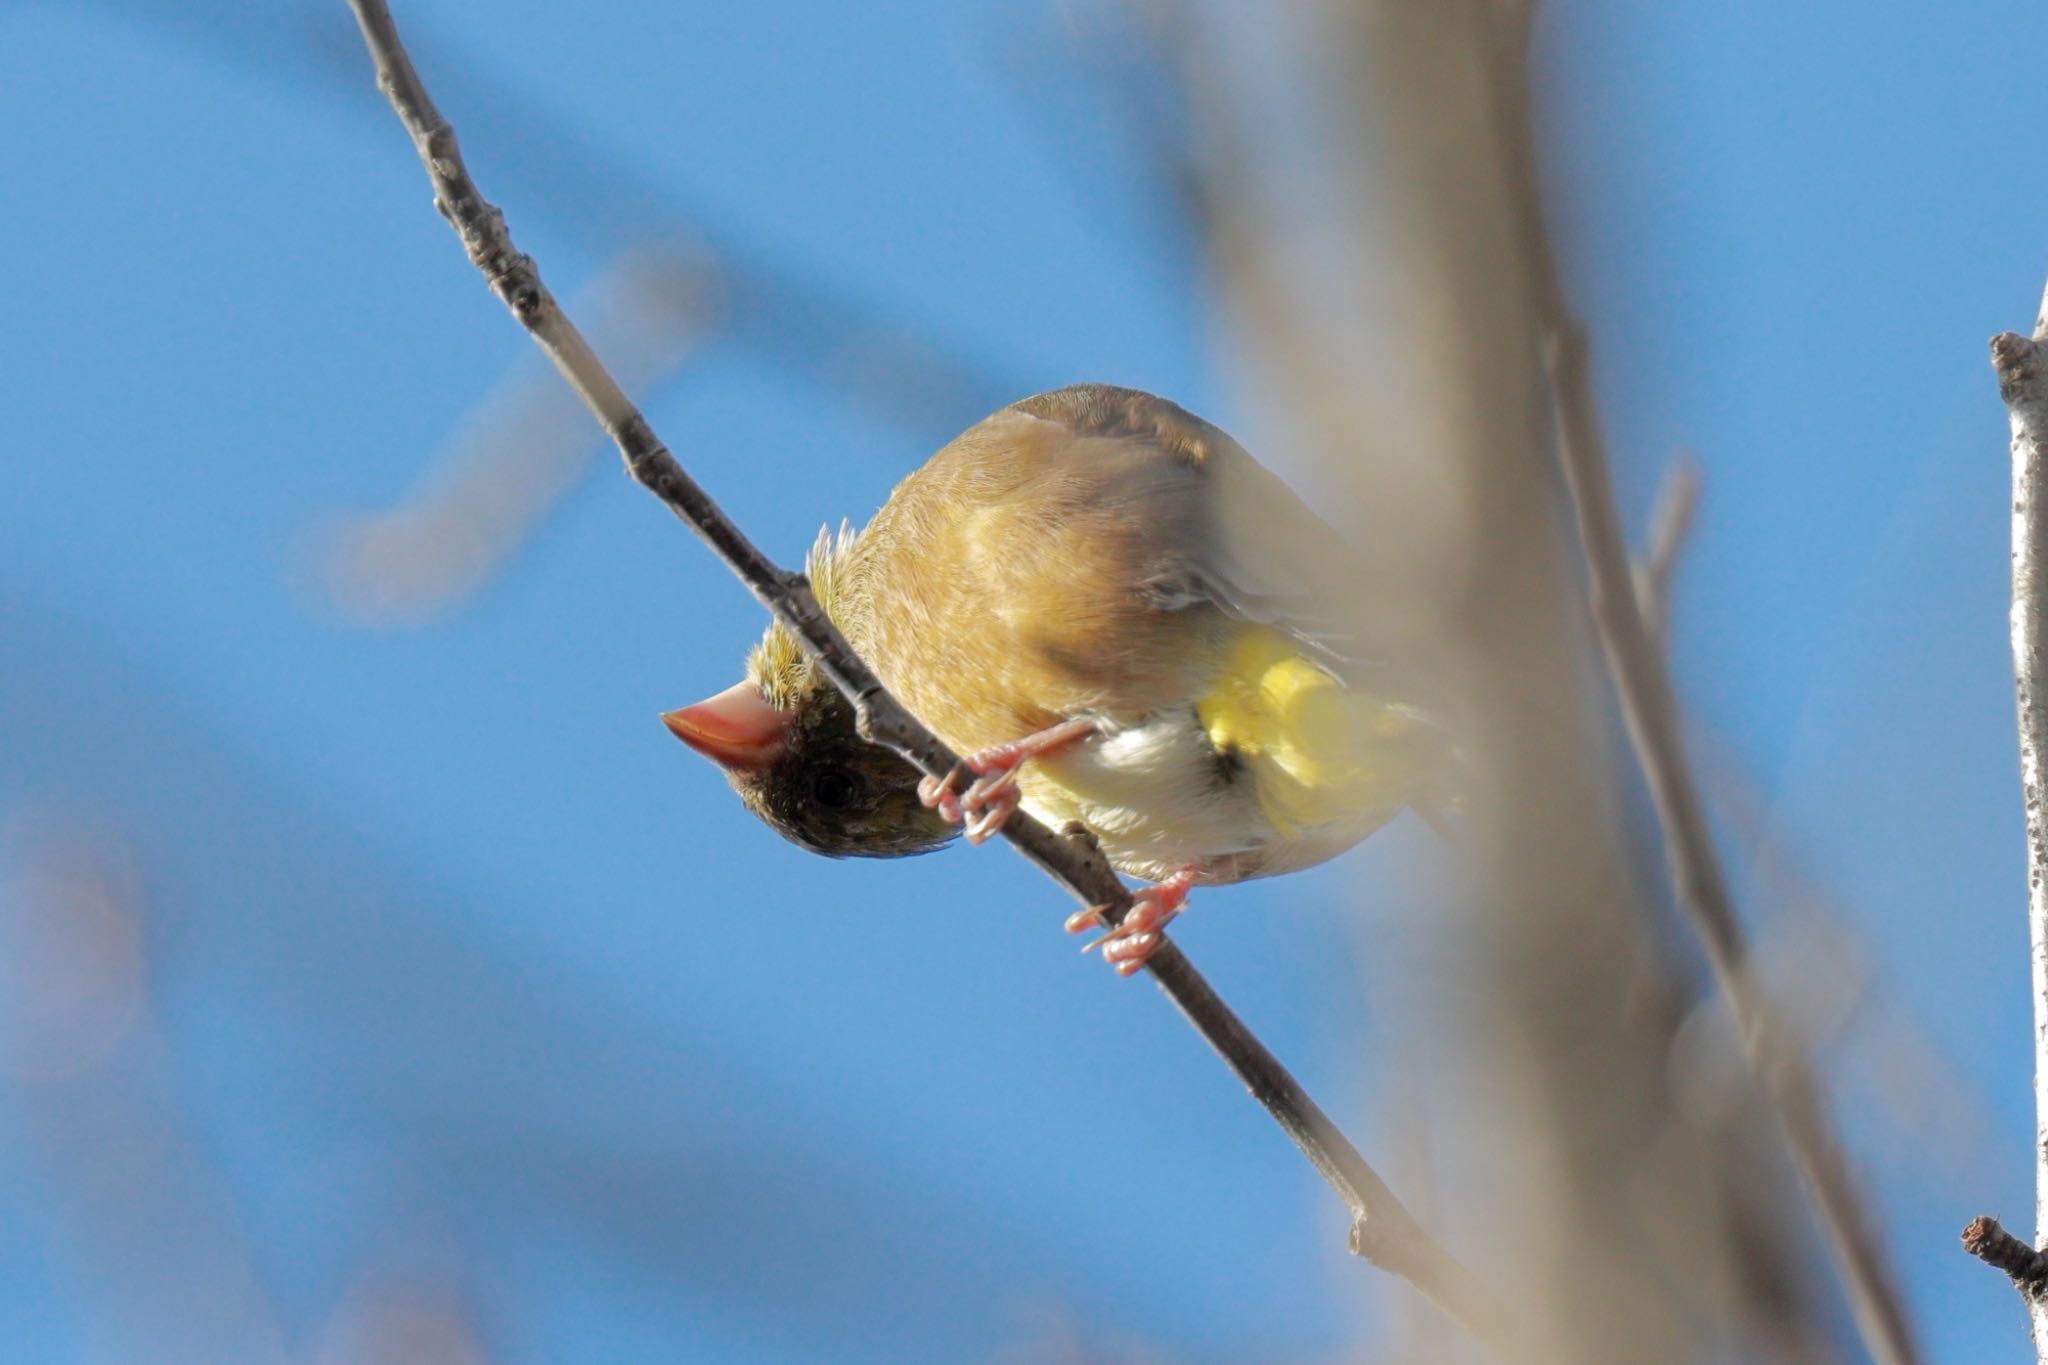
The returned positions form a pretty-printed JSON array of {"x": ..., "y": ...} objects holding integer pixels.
[{"x": 2022, "y": 367}]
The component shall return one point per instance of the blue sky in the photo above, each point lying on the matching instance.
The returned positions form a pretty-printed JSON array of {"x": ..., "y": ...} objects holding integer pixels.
[{"x": 457, "y": 963}]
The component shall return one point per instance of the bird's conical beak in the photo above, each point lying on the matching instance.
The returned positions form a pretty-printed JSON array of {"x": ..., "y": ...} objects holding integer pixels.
[{"x": 735, "y": 729}]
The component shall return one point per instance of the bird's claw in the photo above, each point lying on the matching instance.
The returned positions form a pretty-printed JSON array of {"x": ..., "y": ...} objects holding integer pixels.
[
  {"x": 937, "y": 794},
  {"x": 987, "y": 813},
  {"x": 1129, "y": 945},
  {"x": 986, "y": 804}
]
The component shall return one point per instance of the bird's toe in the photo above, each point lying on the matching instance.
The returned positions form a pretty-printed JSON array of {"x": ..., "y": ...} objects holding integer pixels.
[
  {"x": 1132, "y": 942},
  {"x": 986, "y": 813},
  {"x": 937, "y": 793}
]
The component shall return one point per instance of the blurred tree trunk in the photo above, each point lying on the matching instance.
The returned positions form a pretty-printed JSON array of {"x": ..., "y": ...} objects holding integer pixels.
[{"x": 1618, "y": 1228}]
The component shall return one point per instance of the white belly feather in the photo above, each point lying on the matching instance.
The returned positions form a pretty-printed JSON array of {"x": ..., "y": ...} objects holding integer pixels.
[{"x": 1159, "y": 799}]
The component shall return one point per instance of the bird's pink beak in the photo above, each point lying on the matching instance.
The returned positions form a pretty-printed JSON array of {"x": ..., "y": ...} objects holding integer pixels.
[{"x": 736, "y": 729}]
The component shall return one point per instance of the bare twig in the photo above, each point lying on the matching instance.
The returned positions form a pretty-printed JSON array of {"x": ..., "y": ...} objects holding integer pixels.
[
  {"x": 1650, "y": 712},
  {"x": 2021, "y": 364},
  {"x": 1383, "y": 1231}
]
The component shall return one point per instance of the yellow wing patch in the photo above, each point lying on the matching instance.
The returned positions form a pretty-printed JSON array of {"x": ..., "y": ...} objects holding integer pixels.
[{"x": 1317, "y": 751}]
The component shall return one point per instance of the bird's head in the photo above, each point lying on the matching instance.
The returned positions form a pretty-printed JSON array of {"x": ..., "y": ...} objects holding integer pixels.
[
  {"x": 786, "y": 740},
  {"x": 801, "y": 766}
]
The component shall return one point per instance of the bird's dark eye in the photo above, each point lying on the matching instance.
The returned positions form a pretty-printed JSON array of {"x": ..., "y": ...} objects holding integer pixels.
[{"x": 834, "y": 789}]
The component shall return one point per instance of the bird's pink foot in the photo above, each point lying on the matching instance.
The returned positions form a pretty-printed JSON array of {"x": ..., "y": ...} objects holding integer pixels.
[
  {"x": 1129, "y": 945},
  {"x": 988, "y": 800}
]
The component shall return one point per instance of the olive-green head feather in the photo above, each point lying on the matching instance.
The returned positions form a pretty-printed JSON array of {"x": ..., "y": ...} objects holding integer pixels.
[{"x": 787, "y": 741}]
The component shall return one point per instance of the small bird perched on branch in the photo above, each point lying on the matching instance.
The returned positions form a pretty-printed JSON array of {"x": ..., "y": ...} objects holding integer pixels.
[{"x": 1123, "y": 620}]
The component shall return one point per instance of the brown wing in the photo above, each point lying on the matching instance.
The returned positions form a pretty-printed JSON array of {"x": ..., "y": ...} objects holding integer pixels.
[
  {"x": 1083, "y": 551},
  {"x": 1257, "y": 553}
]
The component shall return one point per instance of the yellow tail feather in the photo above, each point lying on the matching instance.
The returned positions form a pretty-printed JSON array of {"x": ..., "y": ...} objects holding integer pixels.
[{"x": 1318, "y": 751}]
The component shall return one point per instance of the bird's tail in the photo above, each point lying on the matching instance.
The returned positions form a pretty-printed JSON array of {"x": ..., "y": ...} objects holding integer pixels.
[{"x": 1320, "y": 750}]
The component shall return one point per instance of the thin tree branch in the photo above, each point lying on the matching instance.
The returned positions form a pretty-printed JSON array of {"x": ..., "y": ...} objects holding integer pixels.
[
  {"x": 1383, "y": 1231},
  {"x": 1649, "y": 708},
  {"x": 2021, "y": 364}
]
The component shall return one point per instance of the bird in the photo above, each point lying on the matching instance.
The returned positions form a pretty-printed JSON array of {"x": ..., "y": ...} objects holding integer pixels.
[{"x": 1123, "y": 621}]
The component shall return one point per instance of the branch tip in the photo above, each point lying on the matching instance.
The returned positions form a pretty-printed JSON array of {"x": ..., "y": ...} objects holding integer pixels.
[
  {"x": 1986, "y": 1239},
  {"x": 2016, "y": 361}
]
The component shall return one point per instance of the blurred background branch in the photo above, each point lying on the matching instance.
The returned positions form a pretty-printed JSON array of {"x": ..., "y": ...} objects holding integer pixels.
[
  {"x": 1649, "y": 710},
  {"x": 1671, "y": 520},
  {"x": 519, "y": 453}
]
